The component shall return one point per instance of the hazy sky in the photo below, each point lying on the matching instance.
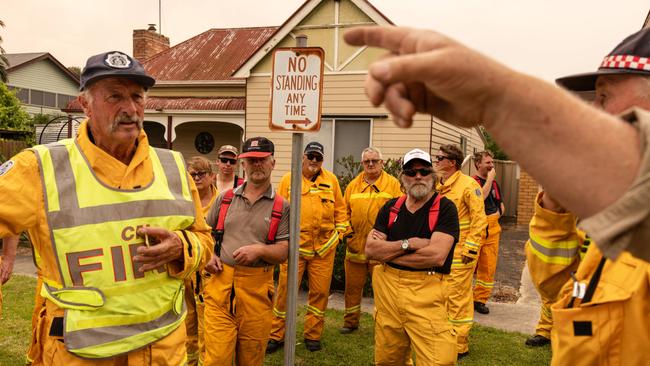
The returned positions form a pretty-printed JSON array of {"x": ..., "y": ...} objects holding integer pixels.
[{"x": 548, "y": 38}]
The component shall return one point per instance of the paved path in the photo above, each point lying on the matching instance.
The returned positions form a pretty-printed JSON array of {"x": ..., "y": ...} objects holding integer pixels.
[{"x": 519, "y": 317}]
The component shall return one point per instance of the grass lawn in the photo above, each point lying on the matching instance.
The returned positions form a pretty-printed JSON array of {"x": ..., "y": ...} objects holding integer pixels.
[{"x": 489, "y": 346}]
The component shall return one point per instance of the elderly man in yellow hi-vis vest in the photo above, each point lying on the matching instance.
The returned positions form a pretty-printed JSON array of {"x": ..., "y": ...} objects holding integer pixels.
[
  {"x": 466, "y": 194},
  {"x": 323, "y": 222},
  {"x": 116, "y": 224},
  {"x": 364, "y": 196}
]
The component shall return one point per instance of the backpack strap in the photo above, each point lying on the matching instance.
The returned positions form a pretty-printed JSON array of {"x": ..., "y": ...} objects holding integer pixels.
[
  {"x": 433, "y": 212},
  {"x": 276, "y": 216},
  {"x": 392, "y": 215},
  {"x": 497, "y": 194},
  {"x": 221, "y": 220},
  {"x": 238, "y": 181}
]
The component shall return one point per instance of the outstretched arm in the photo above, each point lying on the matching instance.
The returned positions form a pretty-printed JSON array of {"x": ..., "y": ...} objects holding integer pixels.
[{"x": 555, "y": 137}]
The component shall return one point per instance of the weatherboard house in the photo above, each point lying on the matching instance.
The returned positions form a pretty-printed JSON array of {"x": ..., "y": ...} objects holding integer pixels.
[{"x": 215, "y": 89}]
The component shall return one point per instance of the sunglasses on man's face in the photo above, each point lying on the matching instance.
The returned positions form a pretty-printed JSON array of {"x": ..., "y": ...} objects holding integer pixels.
[
  {"x": 441, "y": 157},
  {"x": 198, "y": 175},
  {"x": 413, "y": 172},
  {"x": 316, "y": 157},
  {"x": 371, "y": 161},
  {"x": 227, "y": 160}
]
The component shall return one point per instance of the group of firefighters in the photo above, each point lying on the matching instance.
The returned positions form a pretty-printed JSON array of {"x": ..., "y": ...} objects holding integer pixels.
[{"x": 130, "y": 244}]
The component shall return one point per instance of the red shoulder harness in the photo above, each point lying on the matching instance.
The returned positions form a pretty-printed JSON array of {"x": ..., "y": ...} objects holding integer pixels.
[
  {"x": 433, "y": 212},
  {"x": 276, "y": 216}
]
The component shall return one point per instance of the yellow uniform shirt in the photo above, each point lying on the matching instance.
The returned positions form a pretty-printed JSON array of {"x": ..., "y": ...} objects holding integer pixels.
[
  {"x": 363, "y": 202},
  {"x": 323, "y": 217},
  {"x": 467, "y": 195}
]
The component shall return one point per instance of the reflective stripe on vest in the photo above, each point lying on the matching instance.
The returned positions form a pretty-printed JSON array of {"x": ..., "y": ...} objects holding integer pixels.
[{"x": 110, "y": 307}]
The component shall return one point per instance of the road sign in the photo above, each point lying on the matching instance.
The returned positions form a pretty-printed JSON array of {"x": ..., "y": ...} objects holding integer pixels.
[{"x": 297, "y": 86}]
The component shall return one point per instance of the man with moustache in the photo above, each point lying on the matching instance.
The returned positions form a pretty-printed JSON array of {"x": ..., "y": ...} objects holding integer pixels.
[
  {"x": 413, "y": 238},
  {"x": 468, "y": 198},
  {"x": 364, "y": 196},
  {"x": 323, "y": 222},
  {"x": 239, "y": 295},
  {"x": 115, "y": 224}
]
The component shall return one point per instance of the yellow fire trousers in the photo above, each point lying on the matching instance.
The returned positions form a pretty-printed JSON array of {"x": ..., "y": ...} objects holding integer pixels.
[
  {"x": 238, "y": 302},
  {"x": 460, "y": 304},
  {"x": 410, "y": 313},
  {"x": 319, "y": 273},
  {"x": 355, "y": 279},
  {"x": 486, "y": 264},
  {"x": 545, "y": 323},
  {"x": 169, "y": 350},
  {"x": 193, "y": 323}
]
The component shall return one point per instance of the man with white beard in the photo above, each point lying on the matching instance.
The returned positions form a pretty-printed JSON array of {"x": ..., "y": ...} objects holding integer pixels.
[{"x": 413, "y": 238}]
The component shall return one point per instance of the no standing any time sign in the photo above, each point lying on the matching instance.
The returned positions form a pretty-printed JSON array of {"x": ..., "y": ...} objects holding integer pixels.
[{"x": 296, "y": 85}]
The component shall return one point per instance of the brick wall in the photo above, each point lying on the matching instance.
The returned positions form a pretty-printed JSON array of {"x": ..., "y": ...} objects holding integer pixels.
[
  {"x": 528, "y": 189},
  {"x": 147, "y": 43}
]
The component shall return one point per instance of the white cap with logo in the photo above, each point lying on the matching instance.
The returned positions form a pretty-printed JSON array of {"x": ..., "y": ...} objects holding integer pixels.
[{"x": 416, "y": 154}]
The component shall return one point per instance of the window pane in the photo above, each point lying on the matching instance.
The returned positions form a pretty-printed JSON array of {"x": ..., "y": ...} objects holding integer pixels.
[
  {"x": 23, "y": 95},
  {"x": 351, "y": 137},
  {"x": 63, "y": 100},
  {"x": 37, "y": 97},
  {"x": 49, "y": 99}
]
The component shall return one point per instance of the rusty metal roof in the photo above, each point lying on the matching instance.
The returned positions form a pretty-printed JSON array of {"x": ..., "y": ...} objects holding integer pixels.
[
  {"x": 211, "y": 55},
  {"x": 182, "y": 104}
]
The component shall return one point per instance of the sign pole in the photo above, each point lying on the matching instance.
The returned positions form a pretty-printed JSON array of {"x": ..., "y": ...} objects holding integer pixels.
[{"x": 294, "y": 239}]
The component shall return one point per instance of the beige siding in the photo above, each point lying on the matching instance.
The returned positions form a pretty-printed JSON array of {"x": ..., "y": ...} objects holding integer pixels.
[
  {"x": 443, "y": 133},
  {"x": 43, "y": 75}
]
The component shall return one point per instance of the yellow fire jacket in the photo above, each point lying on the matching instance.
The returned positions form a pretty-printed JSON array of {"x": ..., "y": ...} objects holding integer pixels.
[
  {"x": 606, "y": 321},
  {"x": 23, "y": 206},
  {"x": 467, "y": 195},
  {"x": 553, "y": 249},
  {"x": 323, "y": 217},
  {"x": 363, "y": 202}
]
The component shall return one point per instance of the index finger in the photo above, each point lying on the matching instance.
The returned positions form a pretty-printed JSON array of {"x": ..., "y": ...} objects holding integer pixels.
[{"x": 389, "y": 38}]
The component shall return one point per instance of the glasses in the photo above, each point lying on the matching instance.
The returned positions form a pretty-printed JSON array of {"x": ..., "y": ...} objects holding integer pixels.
[
  {"x": 413, "y": 172},
  {"x": 441, "y": 157},
  {"x": 228, "y": 161},
  {"x": 371, "y": 161},
  {"x": 198, "y": 175},
  {"x": 317, "y": 157}
]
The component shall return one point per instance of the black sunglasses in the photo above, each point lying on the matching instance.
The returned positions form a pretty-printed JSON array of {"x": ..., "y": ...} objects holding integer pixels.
[
  {"x": 413, "y": 172},
  {"x": 369, "y": 161},
  {"x": 317, "y": 157},
  {"x": 228, "y": 160},
  {"x": 441, "y": 157},
  {"x": 198, "y": 175}
]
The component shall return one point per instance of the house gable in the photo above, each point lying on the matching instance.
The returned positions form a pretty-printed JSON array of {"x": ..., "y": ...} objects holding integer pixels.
[{"x": 324, "y": 22}]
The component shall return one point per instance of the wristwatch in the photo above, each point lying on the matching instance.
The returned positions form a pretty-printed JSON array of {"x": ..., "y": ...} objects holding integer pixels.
[{"x": 405, "y": 245}]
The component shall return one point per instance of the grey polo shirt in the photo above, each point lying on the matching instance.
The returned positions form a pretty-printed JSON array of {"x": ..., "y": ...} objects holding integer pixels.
[{"x": 248, "y": 223}]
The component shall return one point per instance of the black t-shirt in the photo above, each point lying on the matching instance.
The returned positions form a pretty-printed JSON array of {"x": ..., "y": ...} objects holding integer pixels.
[
  {"x": 408, "y": 225},
  {"x": 492, "y": 204}
]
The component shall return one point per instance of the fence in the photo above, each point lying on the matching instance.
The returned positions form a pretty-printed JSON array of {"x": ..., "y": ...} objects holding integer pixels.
[
  {"x": 508, "y": 179},
  {"x": 9, "y": 148}
]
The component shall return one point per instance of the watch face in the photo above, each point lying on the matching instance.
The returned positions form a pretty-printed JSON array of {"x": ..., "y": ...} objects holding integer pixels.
[
  {"x": 204, "y": 142},
  {"x": 405, "y": 245}
]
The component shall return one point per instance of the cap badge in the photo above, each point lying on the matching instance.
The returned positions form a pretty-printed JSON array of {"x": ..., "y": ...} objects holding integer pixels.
[
  {"x": 254, "y": 143},
  {"x": 118, "y": 60}
]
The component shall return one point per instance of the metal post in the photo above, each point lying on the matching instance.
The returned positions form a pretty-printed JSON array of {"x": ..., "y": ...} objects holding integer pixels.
[{"x": 294, "y": 240}]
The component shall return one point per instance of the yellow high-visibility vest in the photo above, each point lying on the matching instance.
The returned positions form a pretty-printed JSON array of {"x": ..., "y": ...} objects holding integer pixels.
[{"x": 110, "y": 307}]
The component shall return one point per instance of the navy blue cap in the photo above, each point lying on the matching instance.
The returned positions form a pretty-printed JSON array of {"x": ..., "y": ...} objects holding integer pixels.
[
  {"x": 315, "y": 147},
  {"x": 114, "y": 64},
  {"x": 631, "y": 56}
]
